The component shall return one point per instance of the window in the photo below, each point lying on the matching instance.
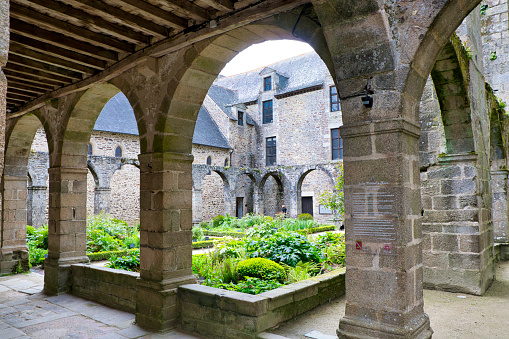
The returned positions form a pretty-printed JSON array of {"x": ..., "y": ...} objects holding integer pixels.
[
  {"x": 90, "y": 149},
  {"x": 334, "y": 99},
  {"x": 270, "y": 148},
  {"x": 267, "y": 111},
  {"x": 209, "y": 160},
  {"x": 118, "y": 152},
  {"x": 240, "y": 118},
  {"x": 226, "y": 162},
  {"x": 267, "y": 84},
  {"x": 337, "y": 144}
]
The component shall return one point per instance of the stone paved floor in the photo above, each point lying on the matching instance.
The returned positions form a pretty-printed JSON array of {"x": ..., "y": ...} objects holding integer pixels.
[{"x": 25, "y": 312}]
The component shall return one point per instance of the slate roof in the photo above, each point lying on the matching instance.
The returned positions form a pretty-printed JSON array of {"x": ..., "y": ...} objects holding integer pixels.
[
  {"x": 117, "y": 116},
  {"x": 206, "y": 131},
  {"x": 303, "y": 71}
]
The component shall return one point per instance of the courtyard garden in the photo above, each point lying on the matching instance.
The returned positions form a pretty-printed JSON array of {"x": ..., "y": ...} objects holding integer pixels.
[{"x": 251, "y": 255}]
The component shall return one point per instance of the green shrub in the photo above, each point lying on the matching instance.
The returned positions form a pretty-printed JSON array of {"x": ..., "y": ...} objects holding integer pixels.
[
  {"x": 330, "y": 238},
  {"x": 283, "y": 247},
  {"x": 98, "y": 240},
  {"x": 229, "y": 248},
  {"x": 302, "y": 271},
  {"x": 261, "y": 268},
  {"x": 197, "y": 233},
  {"x": 96, "y": 256},
  {"x": 130, "y": 262},
  {"x": 305, "y": 216},
  {"x": 30, "y": 230},
  {"x": 204, "y": 225},
  {"x": 217, "y": 221},
  {"x": 203, "y": 244}
]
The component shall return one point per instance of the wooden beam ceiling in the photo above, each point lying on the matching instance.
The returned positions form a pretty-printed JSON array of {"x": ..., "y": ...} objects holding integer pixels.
[{"x": 63, "y": 46}]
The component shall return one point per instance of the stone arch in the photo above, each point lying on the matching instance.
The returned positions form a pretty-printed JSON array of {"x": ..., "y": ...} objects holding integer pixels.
[
  {"x": 272, "y": 203},
  {"x": 20, "y": 134},
  {"x": 451, "y": 80},
  {"x": 246, "y": 193},
  {"x": 299, "y": 190}
]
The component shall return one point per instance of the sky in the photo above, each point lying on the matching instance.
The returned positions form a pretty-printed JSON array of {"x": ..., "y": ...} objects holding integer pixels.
[{"x": 263, "y": 54}]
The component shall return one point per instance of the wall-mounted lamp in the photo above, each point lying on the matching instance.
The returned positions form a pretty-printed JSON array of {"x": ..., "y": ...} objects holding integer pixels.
[{"x": 367, "y": 101}]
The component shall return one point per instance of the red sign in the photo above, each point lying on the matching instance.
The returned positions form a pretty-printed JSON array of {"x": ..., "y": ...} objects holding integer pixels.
[
  {"x": 387, "y": 247},
  {"x": 358, "y": 245}
]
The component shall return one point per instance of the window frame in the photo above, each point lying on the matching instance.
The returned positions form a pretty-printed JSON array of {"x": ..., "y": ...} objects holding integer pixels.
[
  {"x": 270, "y": 157},
  {"x": 90, "y": 149},
  {"x": 334, "y": 99},
  {"x": 267, "y": 112},
  {"x": 121, "y": 152},
  {"x": 240, "y": 118},
  {"x": 209, "y": 160},
  {"x": 267, "y": 83},
  {"x": 339, "y": 147}
]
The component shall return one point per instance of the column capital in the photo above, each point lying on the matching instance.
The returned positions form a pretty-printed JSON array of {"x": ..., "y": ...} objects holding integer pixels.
[
  {"x": 397, "y": 125},
  {"x": 67, "y": 170}
]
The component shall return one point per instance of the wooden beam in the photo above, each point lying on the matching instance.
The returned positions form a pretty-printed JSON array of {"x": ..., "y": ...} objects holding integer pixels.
[
  {"x": 14, "y": 84},
  {"x": 15, "y": 49},
  {"x": 220, "y": 5},
  {"x": 67, "y": 29},
  {"x": 29, "y": 78},
  {"x": 88, "y": 20},
  {"x": 190, "y": 9},
  {"x": 19, "y": 60},
  {"x": 36, "y": 73},
  {"x": 14, "y": 97},
  {"x": 52, "y": 38},
  {"x": 28, "y": 96},
  {"x": 59, "y": 52},
  {"x": 168, "y": 18},
  {"x": 116, "y": 14}
]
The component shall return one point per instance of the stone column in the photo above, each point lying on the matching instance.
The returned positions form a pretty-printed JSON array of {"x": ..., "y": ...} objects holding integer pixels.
[
  {"x": 197, "y": 206},
  {"x": 67, "y": 241},
  {"x": 14, "y": 220},
  {"x": 295, "y": 200},
  {"x": 383, "y": 238},
  {"x": 165, "y": 237},
  {"x": 258, "y": 201},
  {"x": 102, "y": 200},
  {"x": 499, "y": 214}
]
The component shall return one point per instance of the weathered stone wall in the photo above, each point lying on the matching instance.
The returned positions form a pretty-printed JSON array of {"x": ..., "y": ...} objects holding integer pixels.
[
  {"x": 37, "y": 204},
  {"x": 217, "y": 155},
  {"x": 272, "y": 198},
  {"x": 125, "y": 194},
  {"x": 212, "y": 196},
  {"x": 315, "y": 183},
  {"x": 107, "y": 286}
]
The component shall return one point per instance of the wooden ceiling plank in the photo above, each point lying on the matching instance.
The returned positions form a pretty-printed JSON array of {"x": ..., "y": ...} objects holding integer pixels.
[
  {"x": 19, "y": 93},
  {"x": 13, "y": 75},
  {"x": 37, "y": 73},
  {"x": 14, "y": 97},
  {"x": 52, "y": 38},
  {"x": 21, "y": 61},
  {"x": 15, "y": 49},
  {"x": 87, "y": 19},
  {"x": 220, "y": 5},
  {"x": 80, "y": 33},
  {"x": 27, "y": 88},
  {"x": 59, "y": 52},
  {"x": 168, "y": 17},
  {"x": 128, "y": 19},
  {"x": 193, "y": 11}
]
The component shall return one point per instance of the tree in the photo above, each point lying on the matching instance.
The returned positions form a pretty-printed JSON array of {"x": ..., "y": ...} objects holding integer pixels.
[{"x": 335, "y": 200}]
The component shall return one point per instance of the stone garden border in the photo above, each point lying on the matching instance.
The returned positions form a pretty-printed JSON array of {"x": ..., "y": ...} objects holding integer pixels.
[{"x": 210, "y": 311}]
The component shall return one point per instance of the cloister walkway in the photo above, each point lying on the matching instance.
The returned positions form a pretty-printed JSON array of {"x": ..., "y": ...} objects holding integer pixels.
[{"x": 27, "y": 313}]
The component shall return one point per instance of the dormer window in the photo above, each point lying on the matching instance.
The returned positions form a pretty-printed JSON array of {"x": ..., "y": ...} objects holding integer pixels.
[
  {"x": 240, "y": 118},
  {"x": 267, "y": 83}
]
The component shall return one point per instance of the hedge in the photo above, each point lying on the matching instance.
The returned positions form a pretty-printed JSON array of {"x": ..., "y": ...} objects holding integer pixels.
[
  {"x": 96, "y": 256},
  {"x": 203, "y": 244},
  {"x": 224, "y": 233},
  {"x": 317, "y": 229}
]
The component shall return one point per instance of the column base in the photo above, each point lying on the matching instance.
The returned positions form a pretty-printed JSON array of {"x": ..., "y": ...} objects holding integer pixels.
[
  {"x": 14, "y": 261},
  {"x": 58, "y": 274},
  {"x": 359, "y": 328},
  {"x": 157, "y": 306}
]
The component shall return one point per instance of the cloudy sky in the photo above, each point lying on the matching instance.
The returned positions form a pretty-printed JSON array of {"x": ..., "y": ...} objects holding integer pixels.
[{"x": 265, "y": 53}]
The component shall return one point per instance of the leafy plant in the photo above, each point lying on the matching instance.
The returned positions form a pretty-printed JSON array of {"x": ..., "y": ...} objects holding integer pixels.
[
  {"x": 252, "y": 285},
  {"x": 197, "y": 233},
  {"x": 483, "y": 9},
  {"x": 493, "y": 55},
  {"x": 335, "y": 200},
  {"x": 217, "y": 221},
  {"x": 301, "y": 271},
  {"x": 130, "y": 262}
]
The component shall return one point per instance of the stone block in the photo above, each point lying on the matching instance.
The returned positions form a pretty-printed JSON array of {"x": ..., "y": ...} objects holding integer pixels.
[
  {"x": 454, "y": 187},
  {"x": 445, "y": 172},
  {"x": 444, "y": 242}
]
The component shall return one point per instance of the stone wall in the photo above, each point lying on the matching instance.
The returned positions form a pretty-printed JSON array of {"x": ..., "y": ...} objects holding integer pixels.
[
  {"x": 314, "y": 184},
  {"x": 107, "y": 286},
  {"x": 216, "y": 313},
  {"x": 212, "y": 196},
  {"x": 125, "y": 194}
]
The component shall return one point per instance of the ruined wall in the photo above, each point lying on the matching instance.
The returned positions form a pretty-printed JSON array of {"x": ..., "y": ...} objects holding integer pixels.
[
  {"x": 125, "y": 194},
  {"x": 217, "y": 155},
  {"x": 315, "y": 183},
  {"x": 212, "y": 196}
]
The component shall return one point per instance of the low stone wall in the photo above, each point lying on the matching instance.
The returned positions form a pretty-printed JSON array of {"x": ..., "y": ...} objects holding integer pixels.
[
  {"x": 108, "y": 286},
  {"x": 217, "y": 313}
]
